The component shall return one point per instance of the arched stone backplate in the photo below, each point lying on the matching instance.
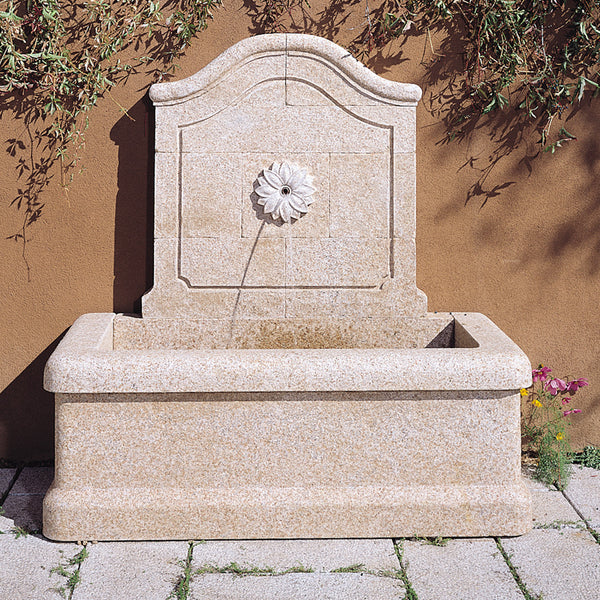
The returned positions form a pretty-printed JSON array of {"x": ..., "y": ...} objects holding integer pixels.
[{"x": 301, "y": 100}]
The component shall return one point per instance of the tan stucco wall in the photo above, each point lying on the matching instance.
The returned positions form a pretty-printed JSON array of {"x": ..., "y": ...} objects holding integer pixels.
[{"x": 529, "y": 258}]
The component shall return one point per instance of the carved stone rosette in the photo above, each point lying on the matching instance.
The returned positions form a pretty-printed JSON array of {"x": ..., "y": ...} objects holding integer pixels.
[{"x": 284, "y": 191}]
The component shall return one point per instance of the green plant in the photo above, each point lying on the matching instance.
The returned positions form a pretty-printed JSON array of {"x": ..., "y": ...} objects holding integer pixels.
[
  {"x": 537, "y": 57},
  {"x": 402, "y": 573},
  {"x": 182, "y": 585},
  {"x": 355, "y": 568},
  {"x": 432, "y": 541},
  {"x": 70, "y": 571},
  {"x": 234, "y": 568},
  {"x": 588, "y": 457},
  {"x": 19, "y": 531},
  {"x": 57, "y": 59},
  {"x": 546, "y": 426}
]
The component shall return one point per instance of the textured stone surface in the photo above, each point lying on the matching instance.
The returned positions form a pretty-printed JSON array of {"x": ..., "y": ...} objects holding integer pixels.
[
  {"x": 584, "y": 492},
  {"x": 80, "y": 365},
  {"x": 33, "y": 480},
  {"x": 299, "y": 465},
  {"x": 6, "y": 476},
  {"x": 461, "y": 570},
  {"x": 305, "y": 101},
  {"x": 26, "y": 565},
  {"x": 550, "y": 508},
  {"x": 303, "y": 586},
  {"x": 130, "y": 333},
  {"x": 23, "y": 505},
  {"x": 560, "y": 564},
  {"x": 128, "y": 571},
  {"x": 25, "y": 511},
  {"x": 318, "y": 555},
  {"x": 239, "y": 425}
]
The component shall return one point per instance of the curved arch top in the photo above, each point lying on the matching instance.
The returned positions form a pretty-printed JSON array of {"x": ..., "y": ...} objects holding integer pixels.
[
  {"x": 304, "y": 101},
  {"x": 287, "y": 44}
]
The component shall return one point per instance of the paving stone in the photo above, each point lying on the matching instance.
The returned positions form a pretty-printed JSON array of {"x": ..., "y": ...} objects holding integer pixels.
[
  {"x": 550, "y": 507},
  {"x": 131, "y": 570},
  {"x": 461, "y": 570},
  {"x": 584, "y": 492},
  {"x": 302, "y": 586},
  {"x": 23, "y": 504},
  {"x": 25, "y": 510},
  {"x": 561, "y": 565},
  {"x": 6, "y": 476},
  {"x": 320, "y": 555},
  {"x": 26, "y": 565},
  {"x": 33, "y": 480}
]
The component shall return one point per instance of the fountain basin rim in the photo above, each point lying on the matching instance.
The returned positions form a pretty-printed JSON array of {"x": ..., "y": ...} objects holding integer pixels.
[{"x": 85, "y": 363}]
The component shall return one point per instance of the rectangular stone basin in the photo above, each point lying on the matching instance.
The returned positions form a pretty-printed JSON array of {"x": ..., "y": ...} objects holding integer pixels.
[{"x": 212, "y": 429}]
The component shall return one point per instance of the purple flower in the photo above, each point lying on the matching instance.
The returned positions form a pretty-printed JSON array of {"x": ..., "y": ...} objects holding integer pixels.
[
  {"x": 574, "y": 385},
  {"x": 555, "y": 385},
  {"x": 540, "y": 374},
  {"x": 576, "y": 410},
  {"x": 566, "y": 400}
]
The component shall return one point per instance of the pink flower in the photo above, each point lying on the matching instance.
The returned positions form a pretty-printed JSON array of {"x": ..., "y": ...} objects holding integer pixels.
[
  {"x": 566, "y": 400},
  {"x": 571, "y": 412},
  {"x": 540, "y": 374},
  {"x": 574, "y": 385},
  {"x": 576, "y": 410},
  {"x": 555, "y": 385},
  {"x": 567, "y": 412}
]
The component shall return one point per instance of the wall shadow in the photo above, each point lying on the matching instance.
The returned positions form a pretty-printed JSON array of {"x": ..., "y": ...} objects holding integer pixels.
[
  {"x": 27, "y": 413},
  {"x": 134, "y": 212}
]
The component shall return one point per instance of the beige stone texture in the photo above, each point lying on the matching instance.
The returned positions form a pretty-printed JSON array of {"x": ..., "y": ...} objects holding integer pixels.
[
  {"x": 360, "y": 196},
  {"x": 166, "y": 193},
  {"x": 292, "y": 385},
  {"x": 287, "y": 465},
  {"x": 249, "y": 127},
  {"x": 336, "y": 263},
  {"x": 210, "y": 196},
  {"x": 356, "y": 74},
  {"x": 432, "y": 331},
  {"x": 210, "y": 262},
  {"x": 82, "y": 364},
  {"x": 404, "y": 193},
  {"x": 220, "y": 128},
  {"x": 237, "y": 86}
]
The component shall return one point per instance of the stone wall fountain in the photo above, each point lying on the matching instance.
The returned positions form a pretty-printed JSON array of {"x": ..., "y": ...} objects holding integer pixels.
[{"x": 285, "y": 379}]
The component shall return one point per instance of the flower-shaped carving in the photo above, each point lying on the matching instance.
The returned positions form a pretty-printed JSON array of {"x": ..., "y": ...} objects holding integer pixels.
[{"x": 284, "y": 191}]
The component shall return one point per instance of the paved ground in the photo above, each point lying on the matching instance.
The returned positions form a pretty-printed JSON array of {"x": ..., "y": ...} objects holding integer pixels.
[{"x": 559, "y": 559}]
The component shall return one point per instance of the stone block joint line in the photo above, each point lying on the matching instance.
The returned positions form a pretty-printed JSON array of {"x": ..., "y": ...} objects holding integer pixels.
[
  {"x": 181, "y": 590},
  {"x": 513, "y": 571},
  {"x": 72, "y": 577},
  {"x": 590, "y": 529},
  {"x": 12, "y": 482},
  {"x": 409, "y": 592}
]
